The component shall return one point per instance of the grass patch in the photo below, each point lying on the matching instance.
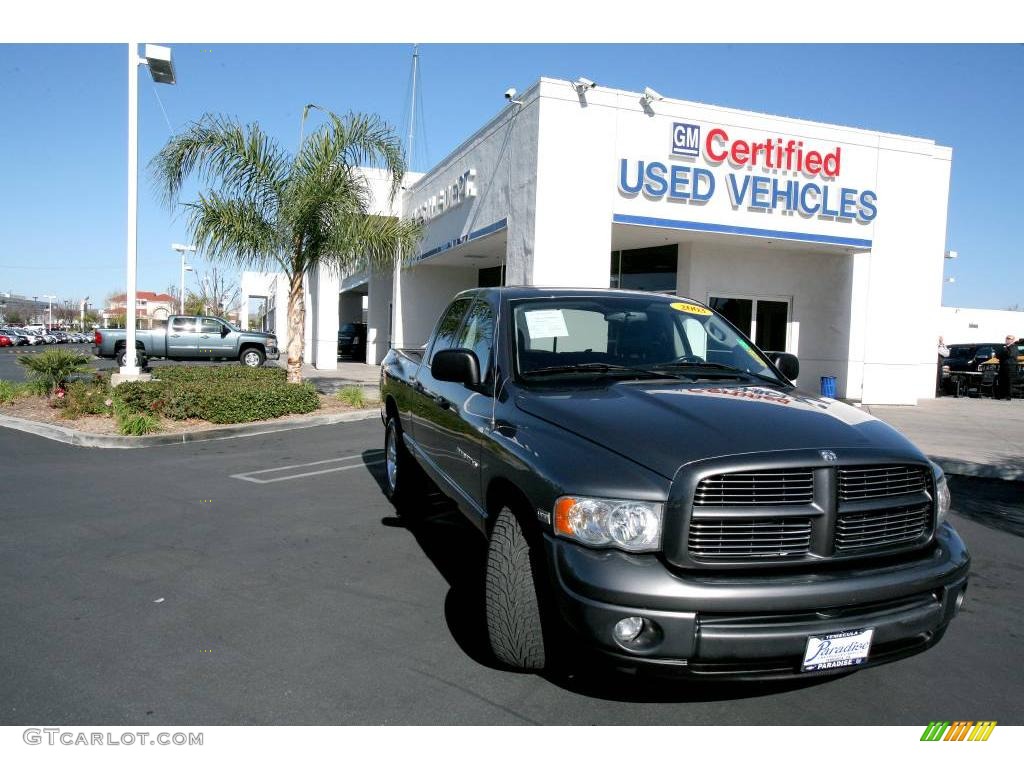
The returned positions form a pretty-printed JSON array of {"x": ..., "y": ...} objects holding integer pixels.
[
  {"x": 137, "y": 424},
  {"x": 12, "y": 390},
  {"x": 354, "y": 396}
]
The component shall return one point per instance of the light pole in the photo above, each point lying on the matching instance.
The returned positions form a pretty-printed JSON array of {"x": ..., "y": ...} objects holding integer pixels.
[
  {"x": 81, "y": 313},
  {"x": 182, "y": 249},
  {"x": 158, "y": 59},
  {"x": 49, "y": 311}
]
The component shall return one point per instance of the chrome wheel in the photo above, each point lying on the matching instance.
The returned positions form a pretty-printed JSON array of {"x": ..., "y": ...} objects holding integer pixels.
[
  {"x": 252, "y": 359},
  {"x": 391, "y": 451}
]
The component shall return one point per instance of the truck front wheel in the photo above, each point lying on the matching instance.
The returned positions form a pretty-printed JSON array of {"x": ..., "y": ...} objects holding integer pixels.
[
  {"x": 252, "y": 357},
  {"x": 513, "y": 609}
]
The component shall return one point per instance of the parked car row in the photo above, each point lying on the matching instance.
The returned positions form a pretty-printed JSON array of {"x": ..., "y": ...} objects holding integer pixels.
[{"x": 17, "y": 337}]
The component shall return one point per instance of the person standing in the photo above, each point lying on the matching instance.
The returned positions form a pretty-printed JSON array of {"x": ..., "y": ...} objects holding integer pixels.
[
  {"x": 1007, "y": 357},
  {"x": 943, "y": 354}
]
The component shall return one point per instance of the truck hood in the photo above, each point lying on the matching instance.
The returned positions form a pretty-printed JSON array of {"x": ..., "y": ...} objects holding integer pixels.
[{"x": 664, "y": 426}]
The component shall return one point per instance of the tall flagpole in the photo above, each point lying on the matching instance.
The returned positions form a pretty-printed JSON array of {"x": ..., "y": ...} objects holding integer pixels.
[{"x": 412, "y": 105}]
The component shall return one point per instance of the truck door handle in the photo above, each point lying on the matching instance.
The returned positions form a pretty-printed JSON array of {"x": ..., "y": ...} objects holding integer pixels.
[
  {"x": 175, "y": 335},
  {"x": 205, "y": 336}
]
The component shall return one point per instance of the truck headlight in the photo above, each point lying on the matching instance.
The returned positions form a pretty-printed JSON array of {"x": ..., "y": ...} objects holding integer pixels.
[
  {"x": 943, "y": 498},
  {"x": 634, "y": 526}
]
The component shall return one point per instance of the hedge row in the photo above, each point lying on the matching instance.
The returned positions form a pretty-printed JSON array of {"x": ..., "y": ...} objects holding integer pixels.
[
  {"x": 218, "y": 395},
  {"x": 183, "y": 373}
]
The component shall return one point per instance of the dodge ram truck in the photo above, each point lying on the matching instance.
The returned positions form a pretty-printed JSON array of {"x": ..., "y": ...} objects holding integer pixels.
[
  {"x": 653, "y": 487},
  {"x": 190, "y": 338}
]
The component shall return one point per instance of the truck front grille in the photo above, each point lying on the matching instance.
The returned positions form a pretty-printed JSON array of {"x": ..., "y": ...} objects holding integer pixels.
[
  {"x": 776, "y": 487},
  {"x": 878, "y": 482},
  {"x": 750, "y": 538},
  {"x": 881, "y": 527},
  {"x": 788, "y": 515}
]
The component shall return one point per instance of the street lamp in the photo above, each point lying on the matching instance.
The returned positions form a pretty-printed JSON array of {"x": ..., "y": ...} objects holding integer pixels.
[
  {"x": 49, "y": 310},
  {"x": 158, "y": 59},
  {"x": 182, "y": 249}
]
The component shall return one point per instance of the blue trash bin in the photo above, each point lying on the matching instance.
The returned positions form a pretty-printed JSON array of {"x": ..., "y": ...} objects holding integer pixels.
[{"x": 828, "y": 386}]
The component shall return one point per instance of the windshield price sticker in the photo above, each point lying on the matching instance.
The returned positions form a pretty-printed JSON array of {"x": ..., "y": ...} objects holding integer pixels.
[
  {"x": 546, "y": 323},
  {"x": 842, "y": 649},
  {"x": 692, "y": 309}
]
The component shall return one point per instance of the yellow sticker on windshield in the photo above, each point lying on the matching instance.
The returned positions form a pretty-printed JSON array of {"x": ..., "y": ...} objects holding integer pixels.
[{"x": 693, "y": 309}]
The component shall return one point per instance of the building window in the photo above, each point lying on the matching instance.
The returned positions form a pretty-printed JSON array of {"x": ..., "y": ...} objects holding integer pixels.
[
  {"x": 766, "y": 321},
  {"x": 646, "y": 269}
]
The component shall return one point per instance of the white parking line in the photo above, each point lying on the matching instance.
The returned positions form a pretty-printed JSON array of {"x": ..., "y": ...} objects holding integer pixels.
[{"x": 248, "y": 476}]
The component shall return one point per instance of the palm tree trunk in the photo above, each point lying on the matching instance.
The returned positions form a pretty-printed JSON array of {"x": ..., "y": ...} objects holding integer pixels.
[{"x": 296, "y": 328}]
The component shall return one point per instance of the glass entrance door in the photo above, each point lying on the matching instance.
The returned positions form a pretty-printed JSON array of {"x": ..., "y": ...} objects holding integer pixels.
[{"x": 766, "y": 321}]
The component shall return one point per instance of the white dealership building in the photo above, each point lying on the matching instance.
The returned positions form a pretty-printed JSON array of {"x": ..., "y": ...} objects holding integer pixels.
[{"x": 822, "y": 240}]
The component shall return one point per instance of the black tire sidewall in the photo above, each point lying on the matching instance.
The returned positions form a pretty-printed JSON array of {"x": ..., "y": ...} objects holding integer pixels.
[{"x": 515, "y": 609}]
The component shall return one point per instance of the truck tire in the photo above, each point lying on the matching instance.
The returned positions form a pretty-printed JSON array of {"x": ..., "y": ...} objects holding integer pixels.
[
  {"x": 122, "y": 357},
  {"x": 252, "y": 357},
  {"x": 513, "y": 609},
  {"x": 402, "y": 477}
]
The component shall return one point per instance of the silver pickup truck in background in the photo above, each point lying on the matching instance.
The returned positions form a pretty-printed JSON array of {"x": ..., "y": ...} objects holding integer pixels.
[{"x": 190, "y": 338}]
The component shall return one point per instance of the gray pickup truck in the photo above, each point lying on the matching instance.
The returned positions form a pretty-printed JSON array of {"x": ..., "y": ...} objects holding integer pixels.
[
  {"x": 190, "y": 338},
  {"x": 654, "y": 487}
]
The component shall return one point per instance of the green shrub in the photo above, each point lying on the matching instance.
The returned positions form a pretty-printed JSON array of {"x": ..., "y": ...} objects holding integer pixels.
[
  {"x": 137, "y": 423},
  {"x": 87, "y": 398},
  {"x": 236, "y": 396},
  {"x": 12, "y": 390},
  {"x": 353, "y": 395},
  {"x": 142, "y": 396},
  {"x": 227, "y": 404},
  {"x": 53, "y": 369}
]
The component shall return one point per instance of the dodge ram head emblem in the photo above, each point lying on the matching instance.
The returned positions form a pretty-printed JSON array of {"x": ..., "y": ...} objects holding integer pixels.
[{"x": 829, "y": 455}]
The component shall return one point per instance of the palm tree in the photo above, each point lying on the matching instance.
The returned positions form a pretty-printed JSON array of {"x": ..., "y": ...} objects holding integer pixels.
[{"x": 270, "y": 210}]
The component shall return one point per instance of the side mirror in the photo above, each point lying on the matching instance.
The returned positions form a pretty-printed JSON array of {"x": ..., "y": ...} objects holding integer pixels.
[
  {"x": 458, "y": 365},
  {"x": 224, "y": 331},
  {"x": 787, "y": 364}
]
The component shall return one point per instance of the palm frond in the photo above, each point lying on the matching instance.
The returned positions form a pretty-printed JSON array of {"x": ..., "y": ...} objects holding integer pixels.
[
  {"x": 236, "y": 231},
  {"x": 240, "y": 161}
]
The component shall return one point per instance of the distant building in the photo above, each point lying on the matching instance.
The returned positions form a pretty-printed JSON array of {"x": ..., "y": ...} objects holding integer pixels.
[{"x": 151, "y": 309}]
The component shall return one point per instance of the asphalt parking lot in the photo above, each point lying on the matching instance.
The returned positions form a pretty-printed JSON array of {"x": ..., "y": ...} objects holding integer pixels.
[
  {"x": 267, "y": 580},
  {"x": 10, "y": 370}
]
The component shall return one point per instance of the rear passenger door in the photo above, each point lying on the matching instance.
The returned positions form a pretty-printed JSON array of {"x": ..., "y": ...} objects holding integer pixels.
[{"x": 182, "y": 337}]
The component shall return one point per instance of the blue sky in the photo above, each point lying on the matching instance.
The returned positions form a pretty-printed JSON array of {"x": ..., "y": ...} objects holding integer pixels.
[{"x": 62, "y": 142}]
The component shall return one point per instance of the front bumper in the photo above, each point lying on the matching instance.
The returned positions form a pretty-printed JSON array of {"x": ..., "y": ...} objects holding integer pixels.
[
  {"x": 756, "y": 626},
  {"x": 273, "y": 353}
]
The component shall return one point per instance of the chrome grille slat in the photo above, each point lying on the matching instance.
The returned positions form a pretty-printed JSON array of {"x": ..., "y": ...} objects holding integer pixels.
[
  {"x": 775, "y": 488},
  {"x": 881, "y": 528},
  {"x": 856, "y": 483},
  {"x": 752, "y": 538}
]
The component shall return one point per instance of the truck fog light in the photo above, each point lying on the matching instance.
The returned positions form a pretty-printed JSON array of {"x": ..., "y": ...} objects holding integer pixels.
[
  {"x": 627, "y": 630},
  {"x": 960, "y": 600}
]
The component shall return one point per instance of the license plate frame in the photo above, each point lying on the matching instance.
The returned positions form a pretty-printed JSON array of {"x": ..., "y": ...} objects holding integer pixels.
[{"x": 837, "y": 650}]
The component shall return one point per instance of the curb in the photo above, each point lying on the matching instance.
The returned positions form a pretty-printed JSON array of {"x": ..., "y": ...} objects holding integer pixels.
[
  {"x": 90, "y": 440},
  {"x": 973, "y": 469}
]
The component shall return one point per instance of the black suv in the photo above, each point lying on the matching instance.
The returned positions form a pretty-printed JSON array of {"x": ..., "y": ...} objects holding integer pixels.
[{"x": 352, "y": 341}]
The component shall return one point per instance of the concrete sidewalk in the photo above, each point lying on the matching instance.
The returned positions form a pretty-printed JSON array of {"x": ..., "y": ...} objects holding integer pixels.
[
  {"x": 965, "y": 436},
  {"x": 347, "y": 374}
]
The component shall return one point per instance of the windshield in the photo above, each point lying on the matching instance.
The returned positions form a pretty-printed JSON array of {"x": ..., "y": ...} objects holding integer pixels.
[{"x": 649, "y": 334}]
